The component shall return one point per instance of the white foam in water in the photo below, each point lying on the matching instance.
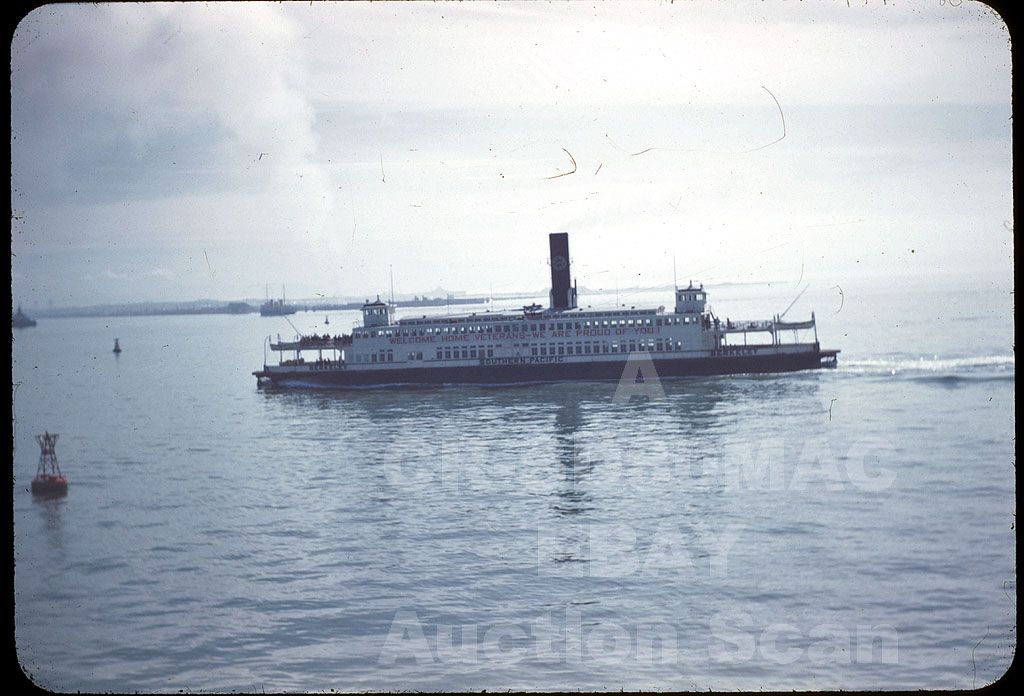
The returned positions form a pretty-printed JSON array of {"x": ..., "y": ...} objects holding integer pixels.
[{"x": 934, "y": 364}]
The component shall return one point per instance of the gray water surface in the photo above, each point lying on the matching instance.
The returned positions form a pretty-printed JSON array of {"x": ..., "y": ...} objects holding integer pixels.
[{"x": 847, "y": 528}]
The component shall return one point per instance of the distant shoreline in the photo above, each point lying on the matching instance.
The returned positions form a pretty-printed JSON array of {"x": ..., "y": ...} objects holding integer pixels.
[
  {"x": 200, "y": 307},
  {"x": 152, "y": 309}
]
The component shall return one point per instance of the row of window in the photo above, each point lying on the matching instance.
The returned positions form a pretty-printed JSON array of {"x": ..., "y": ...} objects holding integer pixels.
[
  {"x": 471, "y": 320},
  {"x": 579, "y": 348},
  {"x": 594, "y": 347},
  {"x": 382, "y": 355},
  {"x": 532, "y": 326},
  {"x": 464, "y": 352}
]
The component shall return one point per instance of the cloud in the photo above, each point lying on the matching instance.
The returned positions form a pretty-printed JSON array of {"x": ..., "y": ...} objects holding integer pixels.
[
  {"x": 319, "y": 144},
  {"x": 570, "y": 55},
  {"x": 130, "y": 103}
]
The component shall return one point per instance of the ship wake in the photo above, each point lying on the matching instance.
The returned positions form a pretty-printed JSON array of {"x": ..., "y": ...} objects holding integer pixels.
[{"x": 946, "y": 371}]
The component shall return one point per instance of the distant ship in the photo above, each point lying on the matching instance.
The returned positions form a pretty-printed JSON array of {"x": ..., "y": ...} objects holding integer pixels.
[
  {"x": 276, "y": 308},
  {"x": 560, "y": 343},
  {"x": 20, "y": 321}
]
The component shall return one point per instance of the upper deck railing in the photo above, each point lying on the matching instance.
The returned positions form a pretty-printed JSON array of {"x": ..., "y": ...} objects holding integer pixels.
[
  {"x": 314, "y": 342},
  {"x": 729, "y": 326},
  {"x": 723, "y": 326}
]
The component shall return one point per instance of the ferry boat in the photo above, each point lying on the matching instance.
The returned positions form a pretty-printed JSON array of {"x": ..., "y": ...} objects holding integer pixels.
[{"x": 560, "y": 343}]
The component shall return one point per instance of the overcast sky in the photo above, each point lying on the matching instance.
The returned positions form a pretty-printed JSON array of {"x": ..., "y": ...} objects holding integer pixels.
[{"x": 186, "y": 150}]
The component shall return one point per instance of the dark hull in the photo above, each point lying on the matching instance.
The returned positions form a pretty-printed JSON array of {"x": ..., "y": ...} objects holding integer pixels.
[
  {"x": 49, "y": 486},
  {"x": 551, "y": 372}
]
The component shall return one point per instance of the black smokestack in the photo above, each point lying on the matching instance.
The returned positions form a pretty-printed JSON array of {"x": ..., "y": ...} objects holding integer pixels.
[{"x": 562, "y": 295}]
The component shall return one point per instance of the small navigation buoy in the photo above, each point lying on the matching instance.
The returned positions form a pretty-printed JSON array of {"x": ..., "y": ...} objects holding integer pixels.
[
  {"x": 49, "y": 481},
  {"x": 327, "y": 319},
  {"x": 117, "y": 346}
]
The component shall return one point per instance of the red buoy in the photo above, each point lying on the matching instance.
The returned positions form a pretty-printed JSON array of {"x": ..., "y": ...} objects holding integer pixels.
[{"x": 49, "y": 480}]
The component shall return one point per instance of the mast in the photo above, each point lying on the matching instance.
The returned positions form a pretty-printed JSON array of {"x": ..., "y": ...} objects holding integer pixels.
[{"x": 48, "y": 455}]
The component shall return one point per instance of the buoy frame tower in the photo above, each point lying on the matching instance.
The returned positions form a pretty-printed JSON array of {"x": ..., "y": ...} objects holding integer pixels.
[{"x": 49, "y": 479}]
